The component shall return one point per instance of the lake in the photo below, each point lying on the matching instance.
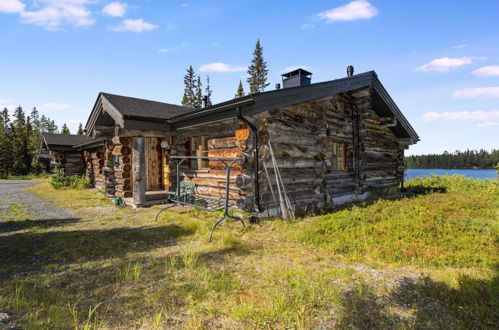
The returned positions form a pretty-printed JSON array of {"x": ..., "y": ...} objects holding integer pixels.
[{"x": 475, "y": 174}]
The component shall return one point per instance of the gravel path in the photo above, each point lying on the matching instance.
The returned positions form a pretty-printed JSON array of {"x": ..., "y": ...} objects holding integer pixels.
[{"x": 12, "y": 192}]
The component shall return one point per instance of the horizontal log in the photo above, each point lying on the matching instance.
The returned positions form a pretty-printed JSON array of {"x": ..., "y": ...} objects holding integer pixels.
[
  {"x": 122, "y": 150},
  {"x": 121, "y": 140},
  {"x": 230, "y": 152},
  {"x": 121, "y": 175},
  {"x": 99, "y": 162},
  {"x": 285, "y": 162},
  {"x": 99, "y": 154},
  {"x": 222, "y": 143},
  {"x": 123, "y": 187},
  {"x": 124, "y": 160},
  {"x": 124, "y": 167},
  {"x": 124, "y": 194}
]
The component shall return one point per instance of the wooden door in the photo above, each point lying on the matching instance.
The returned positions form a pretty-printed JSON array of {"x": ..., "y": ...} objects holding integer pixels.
[{"x": 153, "y": 155}]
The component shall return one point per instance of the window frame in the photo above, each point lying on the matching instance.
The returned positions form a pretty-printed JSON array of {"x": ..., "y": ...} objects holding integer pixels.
[{"x": 198, "y": 146}]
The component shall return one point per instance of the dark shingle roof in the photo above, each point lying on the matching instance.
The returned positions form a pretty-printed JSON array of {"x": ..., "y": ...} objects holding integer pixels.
[
  {"x": 134, "y": 107},
  {"x": 65, "y": 139}
]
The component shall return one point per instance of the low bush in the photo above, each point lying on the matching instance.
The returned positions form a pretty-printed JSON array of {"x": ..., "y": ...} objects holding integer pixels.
[{"x": 59, "y": 180}]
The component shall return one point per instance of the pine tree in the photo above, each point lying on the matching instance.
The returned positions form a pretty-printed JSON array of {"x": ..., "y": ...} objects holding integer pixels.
[
  {"x": 80, "y": 129},
  {"x": 257, "y": 71},
  {"x": 240, "y": 90},
  {"x": 208, "y": 92},
  {"x": 65, "y": 129},
  {"x": 198, "y": 88},
  {"x": 188, "y": 99},
  {"x": 20, "y": 144}
]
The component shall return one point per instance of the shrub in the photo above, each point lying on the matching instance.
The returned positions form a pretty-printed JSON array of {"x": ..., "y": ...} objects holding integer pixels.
[{"x": 59, "y": 180}]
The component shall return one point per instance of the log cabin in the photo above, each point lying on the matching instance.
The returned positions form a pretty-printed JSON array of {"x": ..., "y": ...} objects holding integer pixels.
[
  {"x": 320, "y": 145},
  {"x": 61, "y": 151}
]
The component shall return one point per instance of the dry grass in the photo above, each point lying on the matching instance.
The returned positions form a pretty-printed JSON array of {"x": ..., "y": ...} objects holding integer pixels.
[{"x": 116, "y": 268}]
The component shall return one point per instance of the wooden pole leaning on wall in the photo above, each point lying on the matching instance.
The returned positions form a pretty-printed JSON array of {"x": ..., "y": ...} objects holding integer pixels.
[{"x": 139, "y": 171}]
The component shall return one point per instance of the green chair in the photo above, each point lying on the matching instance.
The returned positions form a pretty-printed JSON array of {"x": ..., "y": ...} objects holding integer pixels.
[{"x": 186, "y": 190}]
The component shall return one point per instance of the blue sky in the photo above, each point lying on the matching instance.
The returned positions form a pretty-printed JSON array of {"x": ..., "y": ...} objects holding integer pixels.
[{"x": 439, "y": 60}]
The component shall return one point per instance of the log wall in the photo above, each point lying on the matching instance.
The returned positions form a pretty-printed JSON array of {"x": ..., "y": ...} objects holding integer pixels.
[
  {"x": 71, "y": 161},
  {"x": 302, "y": 138},
  {"x": 226, "y": 139}
]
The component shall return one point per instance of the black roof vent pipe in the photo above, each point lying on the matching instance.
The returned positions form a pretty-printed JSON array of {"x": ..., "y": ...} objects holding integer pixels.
[
  {"x": 205, "y": 101},
  {"x": 277, "y": 86},
  {"x": 350, "y": 71}
]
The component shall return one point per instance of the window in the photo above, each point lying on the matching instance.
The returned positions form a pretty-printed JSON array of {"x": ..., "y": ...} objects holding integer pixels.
[
  {"x": 199, "y": 147},
  {"x": 339, "y": 156}
]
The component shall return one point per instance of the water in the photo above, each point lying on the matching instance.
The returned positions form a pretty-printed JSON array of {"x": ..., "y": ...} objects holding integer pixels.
[{"x": 475, "y": 174}]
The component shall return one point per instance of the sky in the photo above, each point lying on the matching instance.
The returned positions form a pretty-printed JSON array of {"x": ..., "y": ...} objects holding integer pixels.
[{"x": 439, "y": 60}]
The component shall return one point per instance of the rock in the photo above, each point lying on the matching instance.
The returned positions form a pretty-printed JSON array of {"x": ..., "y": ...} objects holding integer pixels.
[{"x": 4, "y": 317}]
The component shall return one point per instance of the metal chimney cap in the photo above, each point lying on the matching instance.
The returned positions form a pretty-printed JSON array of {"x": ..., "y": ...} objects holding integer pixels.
[{"x": 350, "y": 71}]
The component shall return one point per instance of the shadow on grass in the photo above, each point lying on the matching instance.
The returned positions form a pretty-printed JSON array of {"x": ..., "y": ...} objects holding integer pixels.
[
  {"x": 28, "y": 252},
  {"x": 9, "y": 226},
  {"x": 473, "y": 304}
]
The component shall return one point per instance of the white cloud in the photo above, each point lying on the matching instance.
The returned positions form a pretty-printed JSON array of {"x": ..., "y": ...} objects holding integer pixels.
[
  {"x": 172, "y": 49},
  {"x": 221, "y": 67},
  {"x": 134, "y": 25},
  {"x": 307, "y": 26},
  {"x": 292, "y": 68},
  {"x": 11, "y": 6},
  {"x": 487, "y": 71},
  {"x": 461, "y": 46},
  {"x": 460, "y": 116},
  {"x": 53, "y": 106},
  {"x": 359, "y": 9},
  {"x": 115, "y": 9},
  {"x": 488, "y": 124},
  {"x": 77, "y": 121},
  {"x": 7, "y": 103},
  {"x": 445, "y": 64},
  {"x": 55, "y": 13},
  {"x": 478, "y": 92},
  {"x": 184, "y": 5}
]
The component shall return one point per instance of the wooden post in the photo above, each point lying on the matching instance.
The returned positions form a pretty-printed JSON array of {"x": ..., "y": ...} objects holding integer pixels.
[{"x": 139, "y": 171}]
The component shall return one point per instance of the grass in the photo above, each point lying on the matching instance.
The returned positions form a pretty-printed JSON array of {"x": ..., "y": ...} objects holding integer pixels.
[{"x": 427, "y": 259}]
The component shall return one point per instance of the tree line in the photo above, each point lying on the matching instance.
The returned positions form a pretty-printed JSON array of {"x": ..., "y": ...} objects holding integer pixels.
[
  {"x": 257, "y": 81},
  {"x": 458, "y": 159},
  {"x": 20, "y": 138}
]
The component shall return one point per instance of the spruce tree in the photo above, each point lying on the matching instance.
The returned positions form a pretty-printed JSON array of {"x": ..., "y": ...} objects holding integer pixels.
[
  {"x": 20, "y": 144},
  {"x": 36, "y": 131},
  {"x": 51, "y": 126},
  {"x": 257, "y": 71},
  {"x": 65, "y": 129},
  {"x": 240, "y": 90},
  {"x": 80, "y": 130},
  {"x": 208, "y": 92},
  {"x": 4, "y": 144},
  {"x": 188, "y": 99},
  {"x": 198, "y": 88}
]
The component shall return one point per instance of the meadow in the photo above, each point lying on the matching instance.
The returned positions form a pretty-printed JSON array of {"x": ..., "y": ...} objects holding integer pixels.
[{"x": 428, "y": 258}]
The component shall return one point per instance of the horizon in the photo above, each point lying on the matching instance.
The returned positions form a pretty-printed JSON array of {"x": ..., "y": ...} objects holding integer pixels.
[{"x": 443, "y": 77}]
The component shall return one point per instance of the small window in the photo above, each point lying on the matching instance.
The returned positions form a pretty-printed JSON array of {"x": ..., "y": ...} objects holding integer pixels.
[
  {"x": 339, "y": 156},
  {"x": 199, "y": 147}
]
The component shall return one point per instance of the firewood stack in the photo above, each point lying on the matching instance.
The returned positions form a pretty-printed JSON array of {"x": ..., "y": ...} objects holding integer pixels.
[{"x": 122, "y": 166}]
